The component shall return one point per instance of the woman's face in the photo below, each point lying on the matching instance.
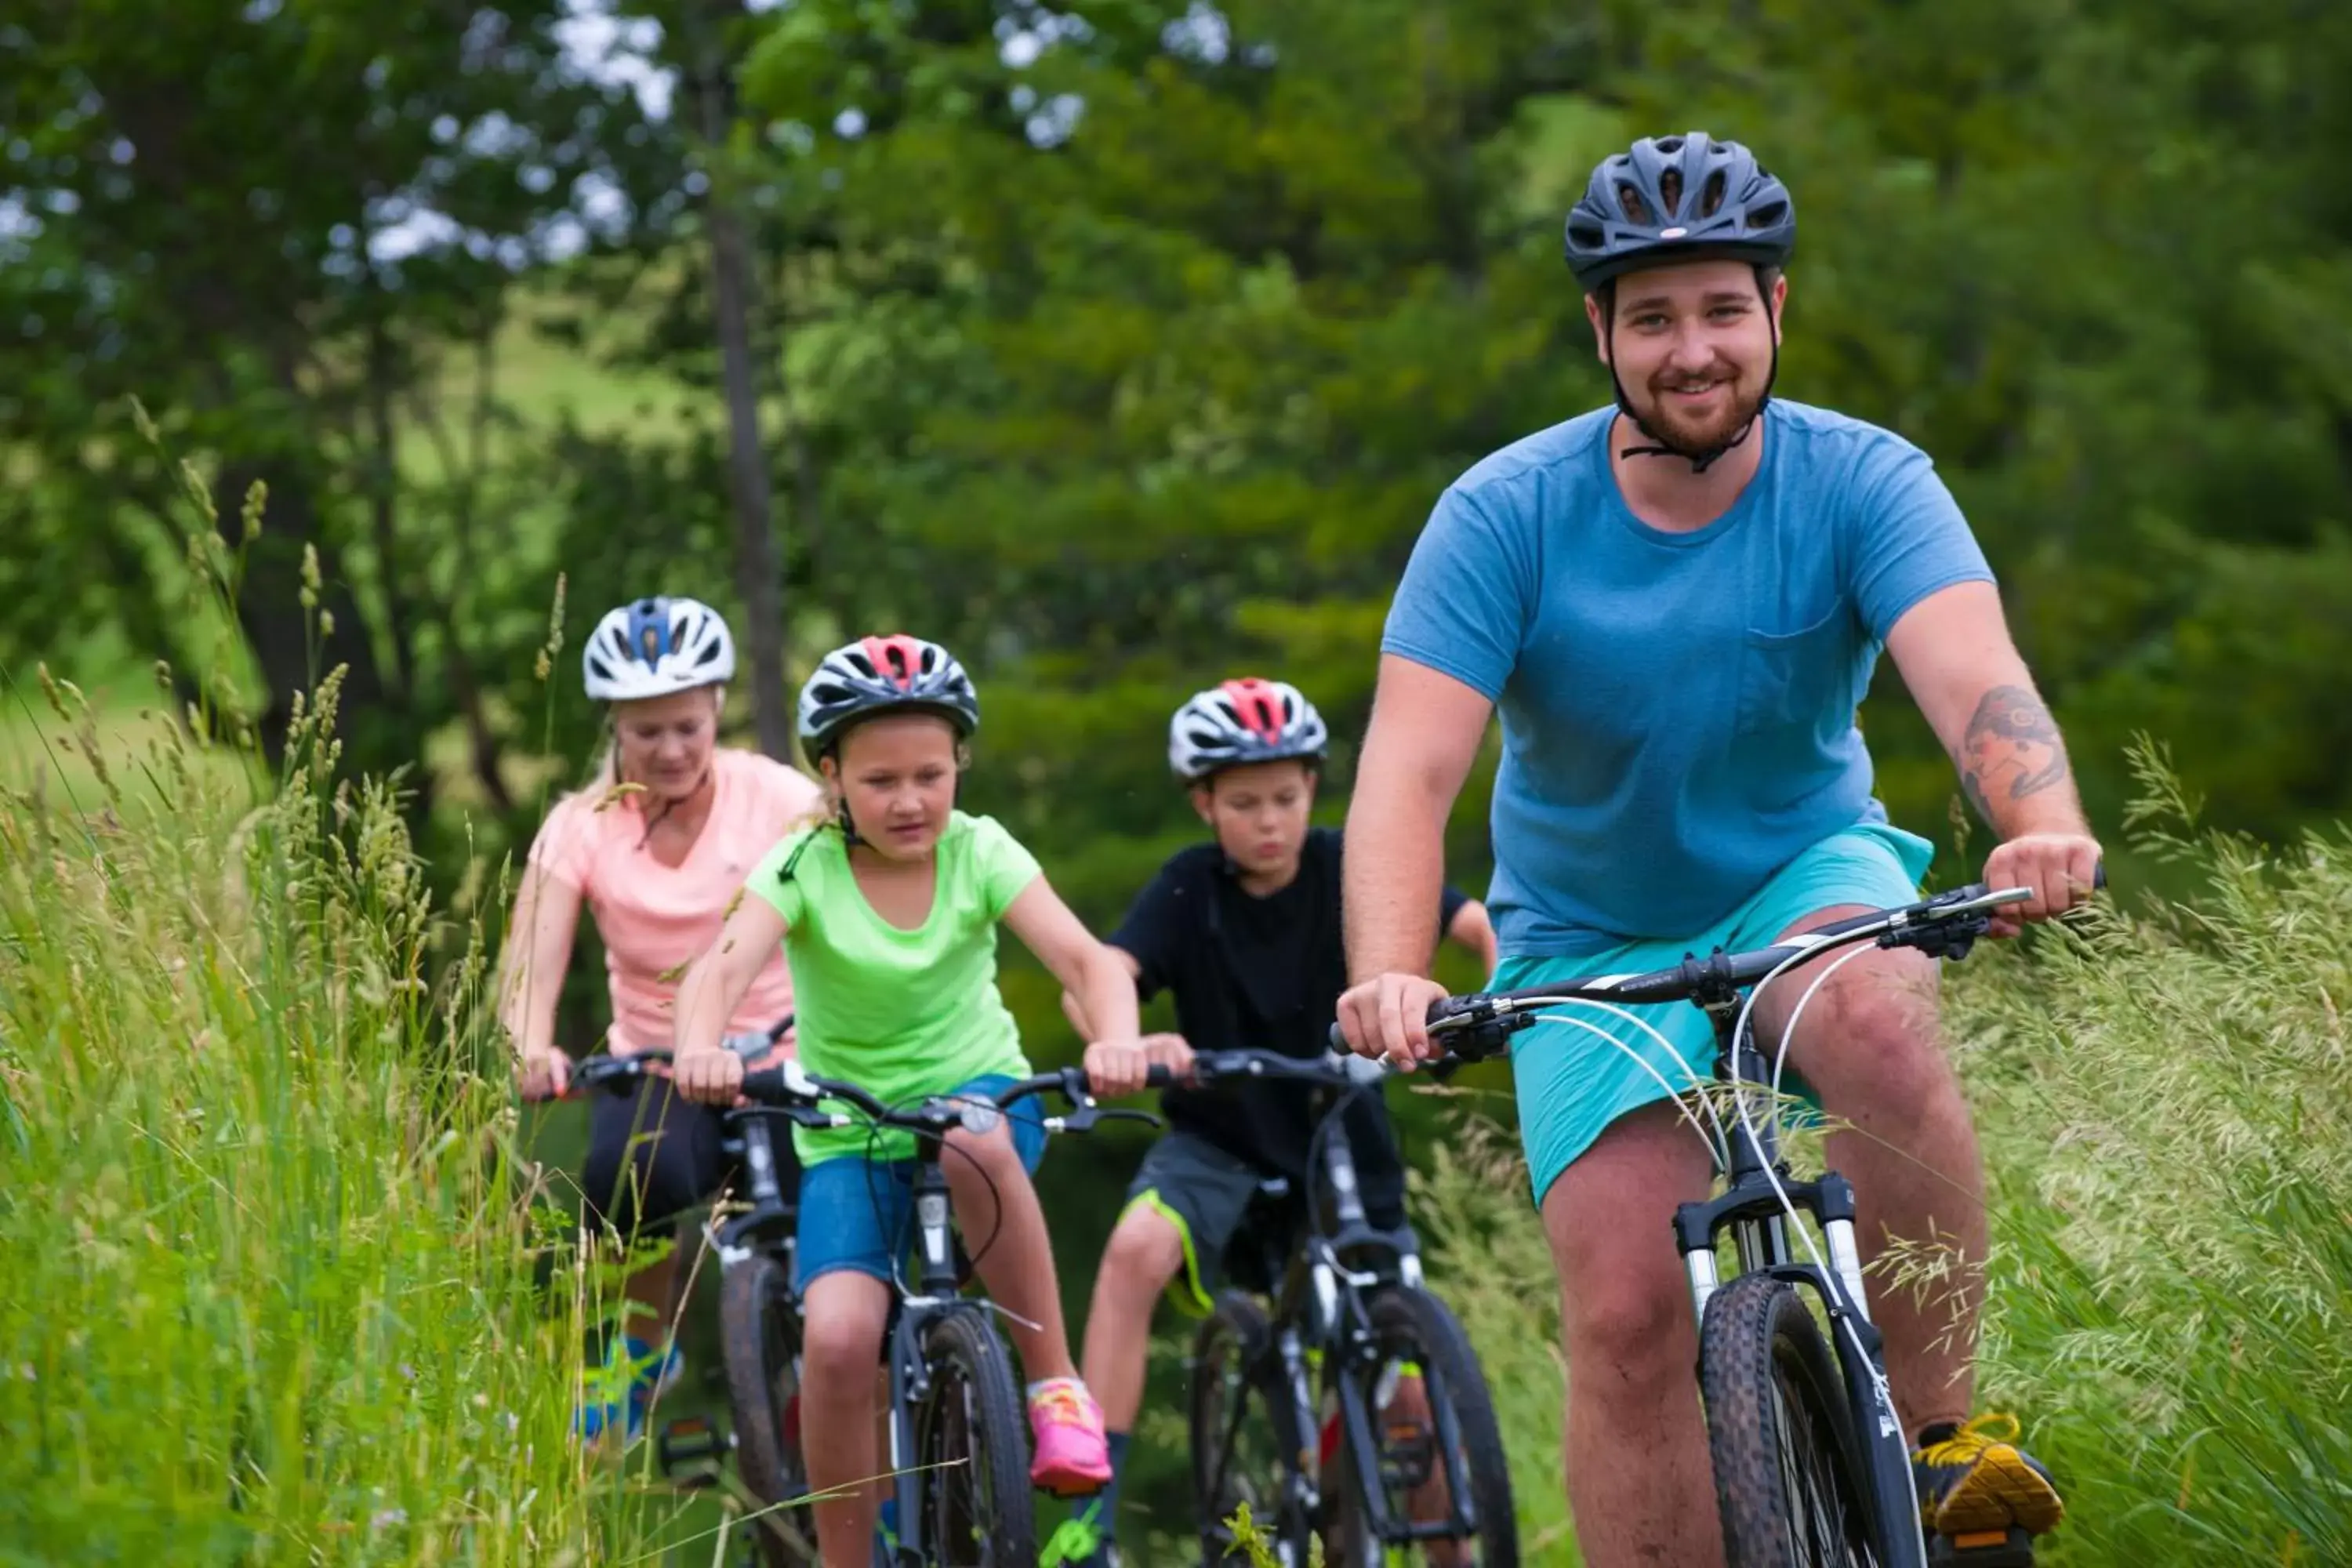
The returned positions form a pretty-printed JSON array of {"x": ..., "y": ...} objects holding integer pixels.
[
  {"x": 898, "y": 776},
  {"x": 665, "y": 742}
]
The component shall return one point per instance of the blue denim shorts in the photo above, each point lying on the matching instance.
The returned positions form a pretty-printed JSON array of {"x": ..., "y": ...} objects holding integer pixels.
[
  {"x": 857, "y": 1213},
  {"x": 1572, "y": 1084}
]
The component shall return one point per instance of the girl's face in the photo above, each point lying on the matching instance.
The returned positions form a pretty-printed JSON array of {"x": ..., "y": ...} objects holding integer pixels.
[
  {"x": 665, "y": 742},
  {"x": 897, "y": 775}
]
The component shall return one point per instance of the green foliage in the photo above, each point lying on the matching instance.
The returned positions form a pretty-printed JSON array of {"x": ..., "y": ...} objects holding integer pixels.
[
  {"x": 273, "y": 1291},
  {"x": 2167, "y": 1152}
]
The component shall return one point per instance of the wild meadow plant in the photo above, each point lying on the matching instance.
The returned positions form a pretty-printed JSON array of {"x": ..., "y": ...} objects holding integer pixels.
[
  {"x": 276, "y": 1289},
  {"x": 273, "y": 1288}
]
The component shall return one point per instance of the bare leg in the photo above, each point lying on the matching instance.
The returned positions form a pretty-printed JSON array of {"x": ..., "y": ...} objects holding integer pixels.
[
  {"x": 1638, "y": 1475},
  {"x": 841, "y": 1318},
  {"x": 1870, "y": 1044},
  {"x": 1143, "y": 1255},
  {"x": 1017, "y": 1267},
  {"x": 651, "y": 1293}
]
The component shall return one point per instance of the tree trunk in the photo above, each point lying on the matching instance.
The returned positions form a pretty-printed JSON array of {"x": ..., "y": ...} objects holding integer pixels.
[
  {"x": 758, "y": 568},
  {"x": 278, "y": 626}
]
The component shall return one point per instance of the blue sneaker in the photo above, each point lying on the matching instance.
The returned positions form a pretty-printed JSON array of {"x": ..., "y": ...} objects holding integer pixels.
[{"x": 625, "y": 1387}]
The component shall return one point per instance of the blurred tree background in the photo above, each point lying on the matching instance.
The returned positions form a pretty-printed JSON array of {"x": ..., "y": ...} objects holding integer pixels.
[{"x": 1123, "y": 345}]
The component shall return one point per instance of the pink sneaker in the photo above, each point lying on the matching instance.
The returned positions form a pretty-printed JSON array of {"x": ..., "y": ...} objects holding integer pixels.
[{"x": 1072, "y": 1458}]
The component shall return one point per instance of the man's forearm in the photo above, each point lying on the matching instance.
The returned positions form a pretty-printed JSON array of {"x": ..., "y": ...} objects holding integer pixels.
[
  {"x": 1394, "y": 865},
  {"x": 2013, "y": 764}
]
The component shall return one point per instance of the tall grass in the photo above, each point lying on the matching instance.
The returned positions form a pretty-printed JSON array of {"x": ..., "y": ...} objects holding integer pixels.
[
  {"x": 2173, "y": 1152},
  {"x": 270, "y": 1279}
]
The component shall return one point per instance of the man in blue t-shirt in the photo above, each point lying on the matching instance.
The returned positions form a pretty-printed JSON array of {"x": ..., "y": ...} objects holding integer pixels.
[{"x": 1675, "y": 604}]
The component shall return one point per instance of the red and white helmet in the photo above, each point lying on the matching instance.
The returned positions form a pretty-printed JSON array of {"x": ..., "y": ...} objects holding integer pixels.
[
  {"x": 879, "y": 674},
  {"x": 1245, "y": 720}
]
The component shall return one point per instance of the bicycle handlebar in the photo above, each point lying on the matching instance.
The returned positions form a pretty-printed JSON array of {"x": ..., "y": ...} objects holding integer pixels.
[
  {"x": 1336, "y": 1067},
  {"x": 799, "y": 1094},
  {"x": 1945, "y": 926}
]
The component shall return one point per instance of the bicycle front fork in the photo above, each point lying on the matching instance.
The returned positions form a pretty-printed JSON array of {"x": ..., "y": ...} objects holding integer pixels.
[{"x": 1758, "y": 1220}]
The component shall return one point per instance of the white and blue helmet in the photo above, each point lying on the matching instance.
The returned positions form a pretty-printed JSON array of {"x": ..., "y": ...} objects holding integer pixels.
[{"x": 651, "y": 647}]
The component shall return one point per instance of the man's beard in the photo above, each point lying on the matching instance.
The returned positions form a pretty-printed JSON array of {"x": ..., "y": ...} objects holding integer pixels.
[{"x": 1692, "y": 438}]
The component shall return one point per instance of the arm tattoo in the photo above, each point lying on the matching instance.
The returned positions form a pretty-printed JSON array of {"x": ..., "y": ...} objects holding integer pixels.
[{"x": 2009, "y": 750}]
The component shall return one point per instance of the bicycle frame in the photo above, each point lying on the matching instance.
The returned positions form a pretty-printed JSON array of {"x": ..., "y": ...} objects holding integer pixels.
[
  {"x": 768, "y": 1225},
  {"x": 1758, "y": 1194},
  {"x": 1319, "y": 1310},
  {"x": 937, "y": 1293}
]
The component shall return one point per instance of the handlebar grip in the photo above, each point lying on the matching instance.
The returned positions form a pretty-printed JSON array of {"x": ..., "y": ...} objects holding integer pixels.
[
  {"x": 1338, "y": 1039},
  {"x": 1157, "y": 1077},
  {"x": 768, "y": 1085},
  {"x": 2099, "y": 877},
  {"x": 1450, "y": 1006}
]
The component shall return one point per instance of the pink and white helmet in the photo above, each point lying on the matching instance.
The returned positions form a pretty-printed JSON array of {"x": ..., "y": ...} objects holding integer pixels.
[
  {"x": 1244, "y": 720},
  {"x": 880, "y": 675}
]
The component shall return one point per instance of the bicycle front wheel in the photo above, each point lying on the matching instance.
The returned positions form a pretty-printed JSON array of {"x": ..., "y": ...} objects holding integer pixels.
[
  {"x": 760, "y": 1339},
  {"x": 1246, "y": 1437},
  {"x": 1788, "y": 1477},
  {"x": 1425, "y": 1397},
  {"x": 971, "y": 1451}
]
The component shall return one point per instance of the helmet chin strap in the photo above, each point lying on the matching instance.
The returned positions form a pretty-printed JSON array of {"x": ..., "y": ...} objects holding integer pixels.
[
  {"x": 1704, "y": 458},
  {"x": 670, "y": 803}
]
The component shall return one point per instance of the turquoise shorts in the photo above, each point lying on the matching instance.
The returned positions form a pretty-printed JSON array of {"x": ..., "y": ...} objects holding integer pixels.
[{"x": 1572, "y": 1084}]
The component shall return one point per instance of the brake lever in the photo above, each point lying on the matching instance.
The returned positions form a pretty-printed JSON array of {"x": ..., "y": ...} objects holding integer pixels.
[
  {"x": 1490, "y": 1037},
  {"x": 1950, "y": 939}
]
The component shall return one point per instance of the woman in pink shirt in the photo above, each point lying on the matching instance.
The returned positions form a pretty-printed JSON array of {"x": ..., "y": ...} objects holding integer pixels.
[{"x": 657, "y": 849}]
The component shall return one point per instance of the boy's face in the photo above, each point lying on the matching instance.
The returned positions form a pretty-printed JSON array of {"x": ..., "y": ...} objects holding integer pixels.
[{"x": 1259, "y": 813}]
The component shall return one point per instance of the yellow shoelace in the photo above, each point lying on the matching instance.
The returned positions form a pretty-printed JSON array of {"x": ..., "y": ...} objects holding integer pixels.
[
  {"x": 1971, "y": 1441},
  {"x": 1062, "y": 1403}
]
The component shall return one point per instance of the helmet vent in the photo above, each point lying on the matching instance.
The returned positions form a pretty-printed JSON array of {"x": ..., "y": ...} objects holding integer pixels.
[
  {"x": 1636, "y": 209},
  {"x": 1769, "y": 216},
  {"x": 1670, "y": 190},
  {"x": 1710, "y": 196},
  {"x": 1670, "y": 145}
]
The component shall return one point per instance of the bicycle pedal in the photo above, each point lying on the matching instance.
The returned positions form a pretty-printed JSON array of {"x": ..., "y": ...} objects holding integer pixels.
[
  {"x": 689, "y": 1450},
  {"x": 2009, "y": 1548}
]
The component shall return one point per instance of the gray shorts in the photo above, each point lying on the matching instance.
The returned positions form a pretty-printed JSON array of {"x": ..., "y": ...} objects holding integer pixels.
[{"x": 1205, "y": 1193}]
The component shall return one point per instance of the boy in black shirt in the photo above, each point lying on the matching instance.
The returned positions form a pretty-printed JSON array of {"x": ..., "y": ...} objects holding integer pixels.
[{"x": 1245, "y": 933}]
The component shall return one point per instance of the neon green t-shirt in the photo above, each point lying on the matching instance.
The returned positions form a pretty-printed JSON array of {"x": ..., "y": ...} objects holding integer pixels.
[{"x": 900, "y": 1014}]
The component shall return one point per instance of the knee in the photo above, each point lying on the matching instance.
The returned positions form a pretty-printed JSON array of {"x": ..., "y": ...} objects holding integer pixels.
[
  {"x": 650, "y": 1183},
  {"x": 841, "y": 1344},
  {"x": 991, "y": 1151},
  {"x": 1144, "y": 1253},
  {"x": 622, "y": 1182},
  {"x": 1626, "y": 1314},
  {"x": 1626, "y": 1320},
  {"x": 1891, "y": 1056}
]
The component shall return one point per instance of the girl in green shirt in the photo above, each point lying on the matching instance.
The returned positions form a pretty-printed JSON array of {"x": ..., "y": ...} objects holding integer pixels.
[{"x": 887, "y": 914}]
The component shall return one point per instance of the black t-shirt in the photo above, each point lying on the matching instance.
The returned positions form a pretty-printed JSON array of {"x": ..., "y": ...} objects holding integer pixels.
[{"x": 1261, "y": 973}]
